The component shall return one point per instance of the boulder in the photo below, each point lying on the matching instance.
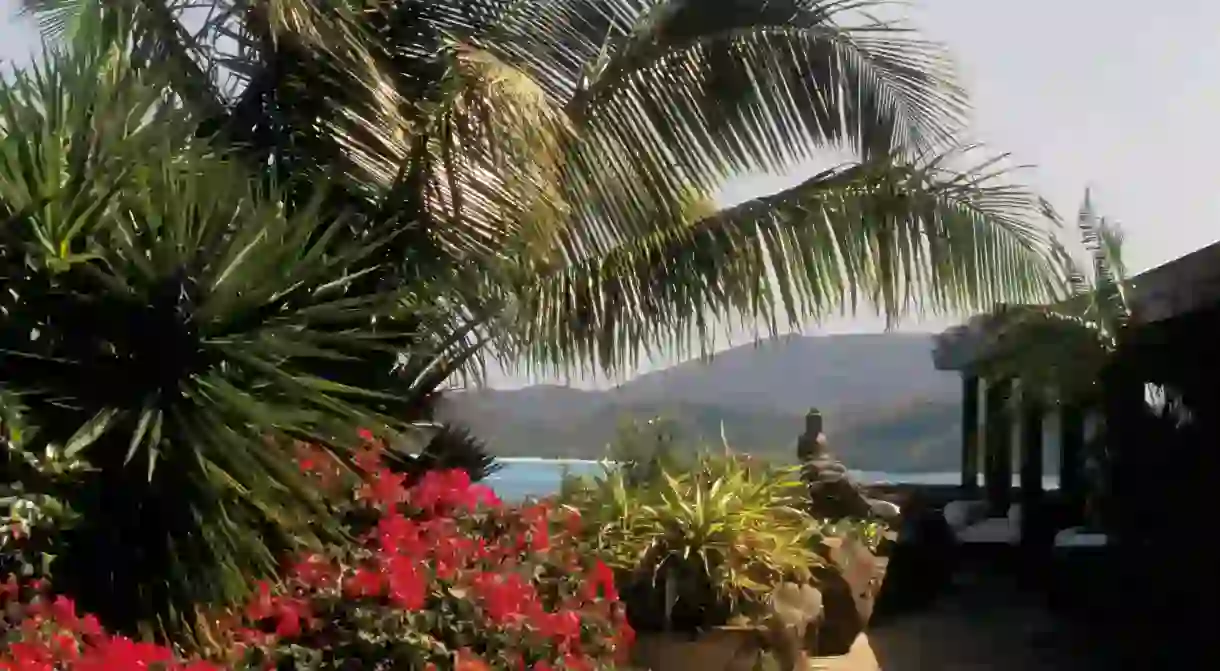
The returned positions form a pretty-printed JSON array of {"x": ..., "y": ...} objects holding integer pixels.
[
  {"x": 794, "y": 611},
  {"x": 921, "y": 561},
  {"x": 716, "y": 649},
  {"x": 849, "y": 583}
]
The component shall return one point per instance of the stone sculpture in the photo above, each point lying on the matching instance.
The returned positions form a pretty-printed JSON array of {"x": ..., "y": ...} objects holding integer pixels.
[{"x": 832, "y": 492}]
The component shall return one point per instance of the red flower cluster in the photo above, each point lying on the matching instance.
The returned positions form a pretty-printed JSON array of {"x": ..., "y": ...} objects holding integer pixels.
[
  {"x": 444, "y": 576},
  {"x": 43, "y": 633},
  {"x": 448, "y": 576}
]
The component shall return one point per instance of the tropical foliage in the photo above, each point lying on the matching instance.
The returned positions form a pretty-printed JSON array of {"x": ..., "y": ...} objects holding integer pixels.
[
  {"x": 698, "y": 546},
  {"x": 1061, "y": 349},
  {"x": 563, "y": 155},
  {"x": 231, "y": 226},
  {"x": 171, "y": 323},
  {"x": 444, "y": 576}
]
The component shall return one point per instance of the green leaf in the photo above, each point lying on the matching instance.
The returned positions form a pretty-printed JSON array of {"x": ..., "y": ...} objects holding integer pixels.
[{"x": 91, "y": 431}]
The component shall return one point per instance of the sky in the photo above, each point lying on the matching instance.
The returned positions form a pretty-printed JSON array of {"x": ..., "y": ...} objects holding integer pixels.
[{"x": 1115, "y": 96}]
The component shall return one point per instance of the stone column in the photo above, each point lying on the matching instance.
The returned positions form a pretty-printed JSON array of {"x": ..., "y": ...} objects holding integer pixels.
[
  {"x": 1032, "y": 411},
  {"x": 997, "y": 445},
  {"x": 1071, "y": 455},
  {"x": 970, "y": 433}
]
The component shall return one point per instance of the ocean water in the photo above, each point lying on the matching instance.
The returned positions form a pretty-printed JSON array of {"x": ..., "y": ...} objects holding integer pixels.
[{"x": 525, "y": 476}]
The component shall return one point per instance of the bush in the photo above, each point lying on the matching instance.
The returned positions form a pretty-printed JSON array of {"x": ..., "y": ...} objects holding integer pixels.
[
  {"x": 41, "y": 633},
  {"x": 175, "y": 319},
  {"x": 442, "y": 575},
  {"x": 696, "y": 549}
]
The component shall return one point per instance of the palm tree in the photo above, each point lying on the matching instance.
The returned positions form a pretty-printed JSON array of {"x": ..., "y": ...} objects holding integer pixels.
[
  {"x": 1061, "y": 349},
  {"x": 204, "y": 269},
  {"x": 562, "y": 154}
]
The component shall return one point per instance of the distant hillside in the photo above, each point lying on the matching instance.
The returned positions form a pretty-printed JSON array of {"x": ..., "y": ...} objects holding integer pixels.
[{"x": 886, "y": 407}]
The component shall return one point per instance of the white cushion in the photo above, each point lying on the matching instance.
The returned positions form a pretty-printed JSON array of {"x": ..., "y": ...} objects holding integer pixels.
[
  {"x": 961, "y": 514},
  {"x": 885, "y": 509},
  {"x": 993, "y": 530},
  {"x": 1014, "y": 515},
  {"x": 1077, "y": 537}
]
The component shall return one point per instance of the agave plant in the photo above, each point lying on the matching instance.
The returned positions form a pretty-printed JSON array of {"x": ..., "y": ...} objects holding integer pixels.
[
  {"x": 451, "y": 447},
  {"x": 698, "y": 548},
  {"x": 175, "y": 323}
]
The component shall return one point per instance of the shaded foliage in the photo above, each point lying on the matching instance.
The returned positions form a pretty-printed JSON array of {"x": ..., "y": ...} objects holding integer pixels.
[{"x": 169, "y": 321}]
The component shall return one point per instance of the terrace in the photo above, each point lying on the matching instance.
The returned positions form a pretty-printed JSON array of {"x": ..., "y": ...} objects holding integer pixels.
[
  {"x": 1049, "y": 593},
  {"x": 1172, "y": 332}
]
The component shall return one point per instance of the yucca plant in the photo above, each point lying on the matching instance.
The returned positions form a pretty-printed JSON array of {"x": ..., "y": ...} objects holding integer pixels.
[
  {"x": 177, "y": 323},
  {"x": 696, "y": 549},
  {"x": 451, "y": 447}
]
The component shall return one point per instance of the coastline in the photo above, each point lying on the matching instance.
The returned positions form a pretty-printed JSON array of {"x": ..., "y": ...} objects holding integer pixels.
[{"x": 862, "y": 476}]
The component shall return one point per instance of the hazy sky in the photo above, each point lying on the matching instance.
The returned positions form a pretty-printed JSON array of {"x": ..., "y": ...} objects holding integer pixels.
[{"x": 1120, "y": 96}]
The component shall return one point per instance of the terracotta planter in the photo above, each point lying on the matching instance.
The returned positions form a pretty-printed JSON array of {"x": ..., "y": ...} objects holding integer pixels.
[
  {"x": 717, "y": 649},
  {"x": 849, "y": 584}
]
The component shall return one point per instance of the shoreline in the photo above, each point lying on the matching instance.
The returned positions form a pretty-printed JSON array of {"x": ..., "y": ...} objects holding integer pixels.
[{"x": 864, "y": 477}]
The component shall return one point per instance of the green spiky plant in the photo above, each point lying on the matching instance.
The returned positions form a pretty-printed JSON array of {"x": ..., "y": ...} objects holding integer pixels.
[
  {"x": 174, "y": 323},
  {"x": 450, "y": 447},
  {"x": 699, "y": 546}
]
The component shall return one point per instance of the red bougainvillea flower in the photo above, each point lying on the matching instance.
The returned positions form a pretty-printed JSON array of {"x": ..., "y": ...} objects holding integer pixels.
[
  {"x": 434, "y": 560},
  {"x": 600, "y": 583},
  {"x": 314, "y": 571},
  {"x": 52, "y": 636},
  {"x": 364, "y": 583},
  {"x": 262, "y": 606},
  {"x": 468, "y": 661}
]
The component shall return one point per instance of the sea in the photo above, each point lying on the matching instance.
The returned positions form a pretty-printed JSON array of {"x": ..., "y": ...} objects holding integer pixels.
[{"x": 525, "y": 477}]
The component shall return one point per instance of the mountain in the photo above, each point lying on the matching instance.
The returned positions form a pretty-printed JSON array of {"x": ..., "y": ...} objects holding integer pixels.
[{"x": 886, "y": 407}]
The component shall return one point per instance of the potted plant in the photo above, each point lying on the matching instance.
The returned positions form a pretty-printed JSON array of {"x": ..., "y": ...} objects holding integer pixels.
[{"x": 699, "y": 553}]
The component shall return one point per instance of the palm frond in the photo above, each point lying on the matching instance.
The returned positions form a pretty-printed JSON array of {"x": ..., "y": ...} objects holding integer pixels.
[
  {"x": 898, "y": 238},
  {"x": 683, "y": 96},
  {"x": 1103, "y": 241},
  {"x": 1061, "y": 348}
]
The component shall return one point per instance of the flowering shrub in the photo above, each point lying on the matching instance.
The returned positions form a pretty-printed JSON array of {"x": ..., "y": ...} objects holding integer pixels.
[
  {"x": 446, "y": 576},
  {"x": 442, "y": 575},
  {"x": 40, "y": 633}
]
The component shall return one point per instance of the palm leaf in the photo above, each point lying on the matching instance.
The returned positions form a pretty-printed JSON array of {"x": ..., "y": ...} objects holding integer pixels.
[
  {"x": 687, "y": 96},
  {"x": 1060, "y": 349},
  {"x": 896, "y": 238}
]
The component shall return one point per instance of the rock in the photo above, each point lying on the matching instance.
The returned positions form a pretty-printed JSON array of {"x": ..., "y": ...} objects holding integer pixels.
[
  {"x": 849, "y": 583},
  {"x": 794, "y": 613},
  {"x": 921, "y": 561}
]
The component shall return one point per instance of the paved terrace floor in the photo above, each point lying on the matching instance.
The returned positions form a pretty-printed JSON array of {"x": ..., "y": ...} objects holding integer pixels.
[{"x": 981, "y": 623}]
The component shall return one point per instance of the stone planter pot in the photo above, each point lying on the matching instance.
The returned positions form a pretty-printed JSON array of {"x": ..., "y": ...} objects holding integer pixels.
[
  {"x": 849, "y": 583},
  {"x": 717, "y": 649}
]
